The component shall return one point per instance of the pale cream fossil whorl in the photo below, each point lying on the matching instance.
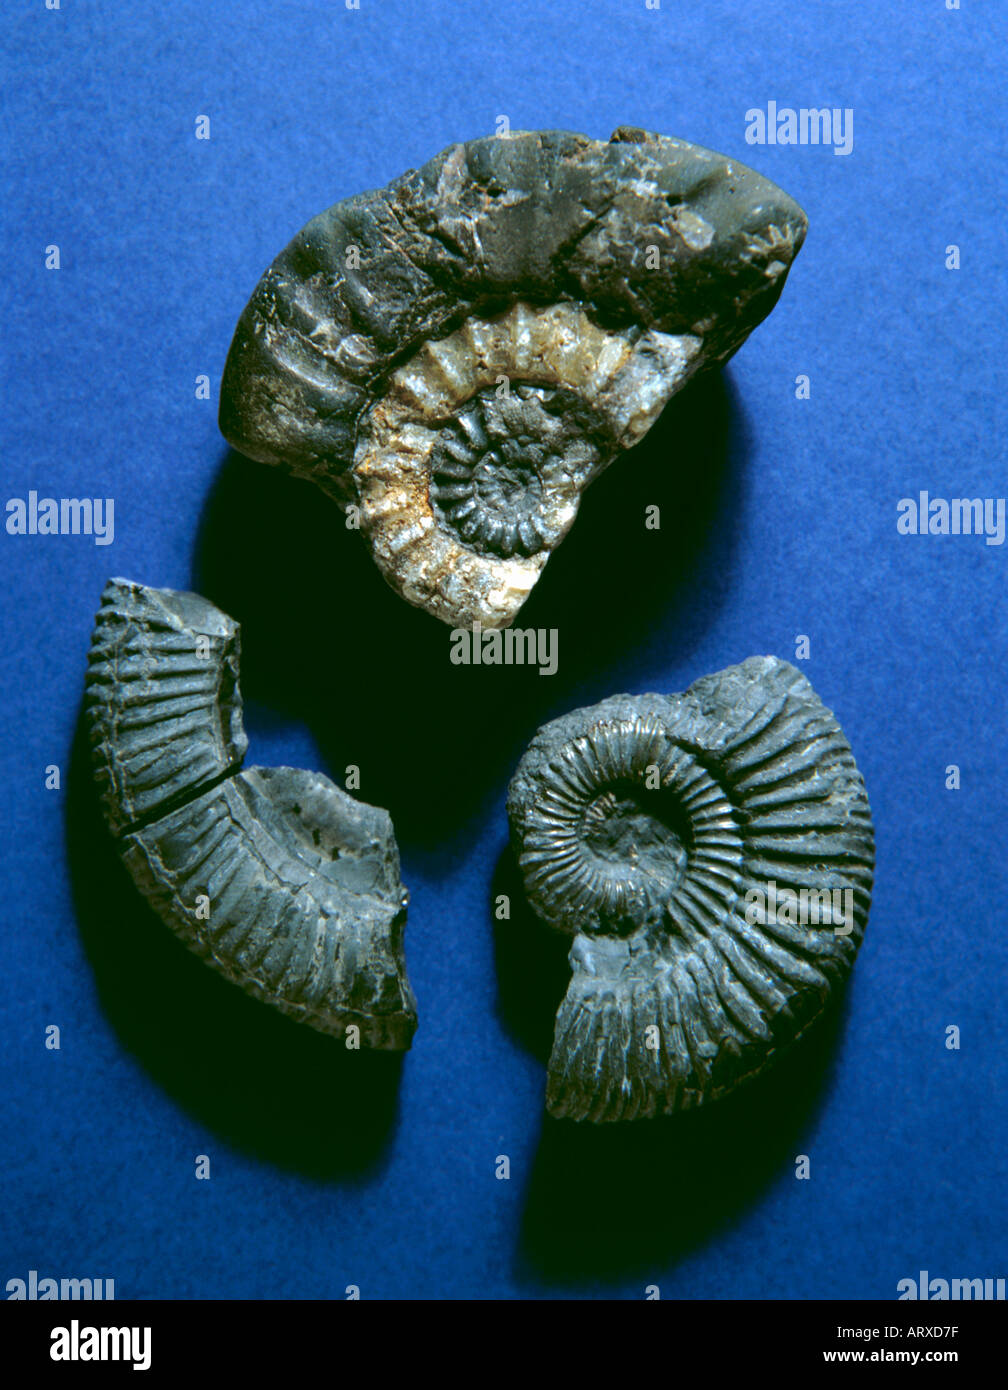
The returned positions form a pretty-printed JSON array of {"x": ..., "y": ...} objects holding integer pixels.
[{"x": 470, "y": 468}]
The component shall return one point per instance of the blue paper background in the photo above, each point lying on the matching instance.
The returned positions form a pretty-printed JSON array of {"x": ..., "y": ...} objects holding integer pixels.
[{"x": 779, "y": 519}]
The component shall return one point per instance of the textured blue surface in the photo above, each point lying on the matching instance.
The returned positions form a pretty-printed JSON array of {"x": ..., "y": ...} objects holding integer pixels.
[{"x": 780, "y": 519}]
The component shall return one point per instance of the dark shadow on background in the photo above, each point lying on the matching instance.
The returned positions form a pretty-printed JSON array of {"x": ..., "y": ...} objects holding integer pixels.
[
  {"x": 264, "y": 1084},
  {"x": 606, "y": 1202},
  {"x": 326, "y": 642},
  {"x": 531, "y": 960}
]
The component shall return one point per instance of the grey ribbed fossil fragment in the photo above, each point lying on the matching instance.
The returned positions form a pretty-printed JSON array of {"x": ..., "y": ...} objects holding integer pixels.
[
  {"x": 278, "y": 879},
  {"x": 712, "y": 856},
  {"x": 460, "y": 354}
]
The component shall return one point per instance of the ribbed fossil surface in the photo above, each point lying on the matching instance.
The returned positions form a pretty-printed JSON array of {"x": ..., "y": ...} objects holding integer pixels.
[
  {"x": 460, "y": 354},
  {"x": 712, "y": 856},
  {"x": 276, "y": 877}
]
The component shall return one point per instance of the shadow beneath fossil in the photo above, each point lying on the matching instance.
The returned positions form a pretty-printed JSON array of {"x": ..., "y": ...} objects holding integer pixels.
[
  {"x": 258, "y": 1081},
  {"x": 531, "y": 964},
  {"x": 326, "y": 642},
  {"x": 613, "y": 1202}
]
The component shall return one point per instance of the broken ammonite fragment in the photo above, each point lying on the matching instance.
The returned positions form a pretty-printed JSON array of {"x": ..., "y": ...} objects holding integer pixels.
[
  {"x": 276, "y": 877},
  {"x": 712, "y": 856},
  {"x": 460, "y": 354}
]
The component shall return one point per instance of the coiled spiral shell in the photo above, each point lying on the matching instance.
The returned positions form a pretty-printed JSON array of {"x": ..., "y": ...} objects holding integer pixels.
[
  {"x": 712, "y": 856},
  {"x": 460, "y": 354}
]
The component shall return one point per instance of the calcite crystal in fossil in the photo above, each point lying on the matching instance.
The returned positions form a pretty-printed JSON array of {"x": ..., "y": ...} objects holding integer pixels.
[
  {"x": 711, "y": 856},
  {"x": 276, "y": 877},
  {"x": 458, "y": 355}
]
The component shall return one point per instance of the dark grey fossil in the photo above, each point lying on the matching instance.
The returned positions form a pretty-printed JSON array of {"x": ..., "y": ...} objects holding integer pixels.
[
  {"x": 681, "y": 840},
  {"x": 586, "y": 281},
  {"x": 276, "y": 877}
]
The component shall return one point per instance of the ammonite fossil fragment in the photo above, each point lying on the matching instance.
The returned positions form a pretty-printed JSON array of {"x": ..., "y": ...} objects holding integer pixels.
[
  {"x": 712, "y": 855},
  {"x": 276, "y": 877},
  {"x": 459, "y": 354}
]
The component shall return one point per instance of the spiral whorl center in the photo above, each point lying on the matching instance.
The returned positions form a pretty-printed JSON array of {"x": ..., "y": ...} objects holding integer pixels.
[
  {"x": 626, "y": 825},
  {"x": 622, "y": 823},
  {"x": 507, "y": 469}
]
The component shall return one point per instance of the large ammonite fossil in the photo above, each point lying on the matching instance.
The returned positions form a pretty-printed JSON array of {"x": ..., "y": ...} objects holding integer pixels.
[
  {"x": 712, "y": 856},
  {"x": 276, "y": 877},
  {"x": 459, "y": 354}
]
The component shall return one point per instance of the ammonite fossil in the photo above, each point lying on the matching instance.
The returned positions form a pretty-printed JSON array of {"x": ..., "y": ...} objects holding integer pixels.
[
  {"x": 459, "y": 354},
  {"x": 276, "y": 877},
  {"x": 712, "y": 855}
]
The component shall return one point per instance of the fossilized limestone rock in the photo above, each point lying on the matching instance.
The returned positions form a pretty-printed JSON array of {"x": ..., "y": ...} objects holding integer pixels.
[{"x": 460, "y": 354}]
